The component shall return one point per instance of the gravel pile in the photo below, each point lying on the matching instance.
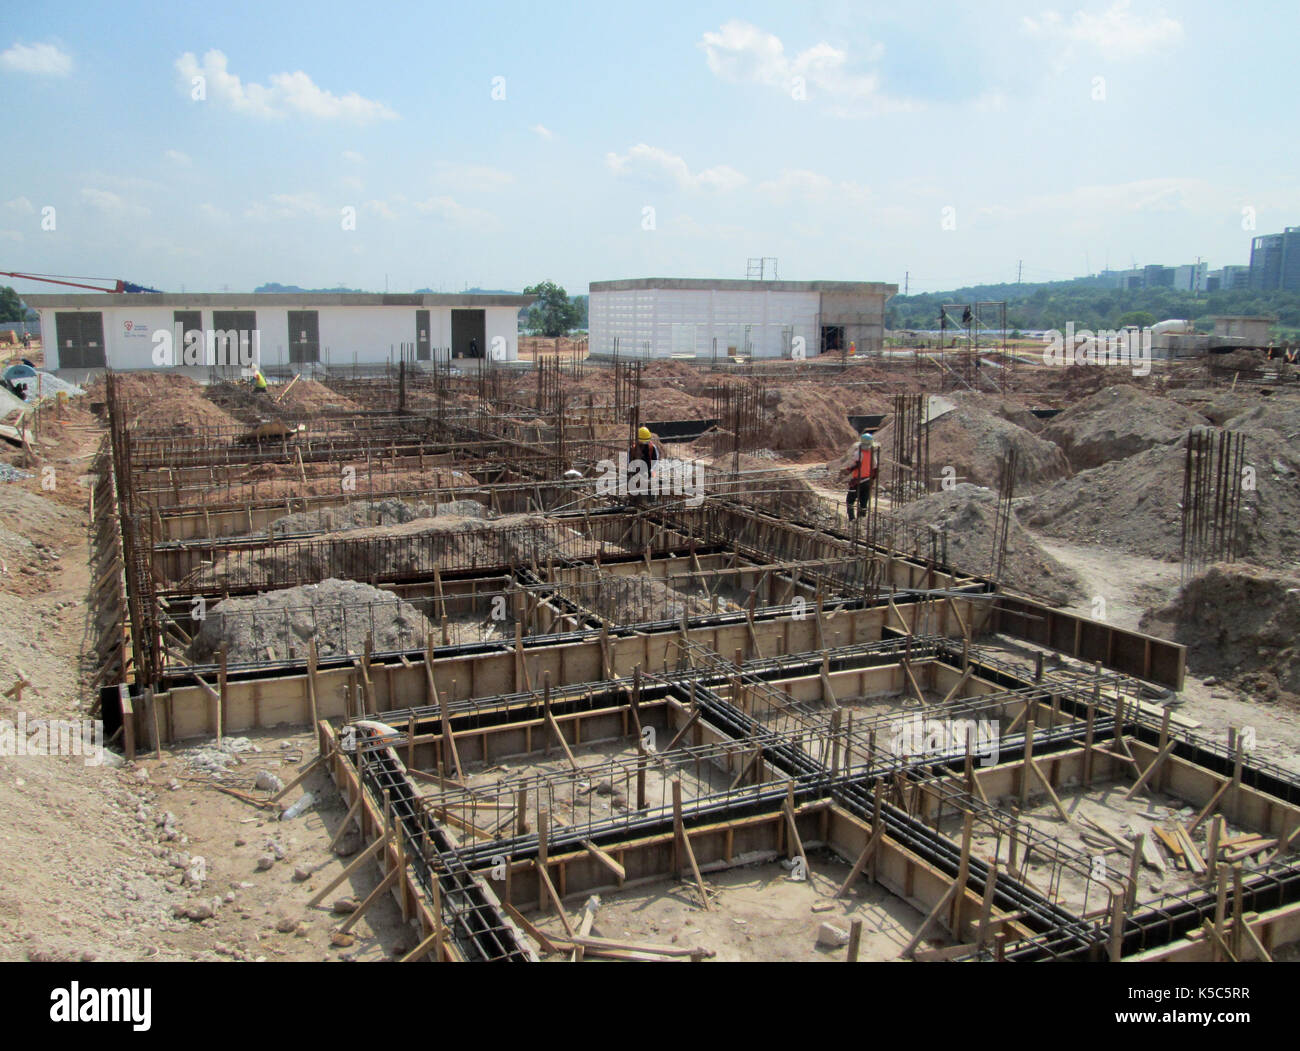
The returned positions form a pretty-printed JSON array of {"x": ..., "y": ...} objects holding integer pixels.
[
  {"x": 365, "y": 513},
  {"x": 338, "y": 614}
]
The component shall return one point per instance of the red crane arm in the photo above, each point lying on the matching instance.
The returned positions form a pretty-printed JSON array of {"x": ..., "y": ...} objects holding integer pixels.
[{"x": 55, "y": 281}]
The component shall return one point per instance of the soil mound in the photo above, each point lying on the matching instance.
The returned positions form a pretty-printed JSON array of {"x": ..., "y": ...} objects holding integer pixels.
[
  {"x": 1239, "y": 623},
  {"x": 804, "y": 421},
  {"x": 1136, "y": 503},
  {"x": 975, "y": 442},
  {"x": 406, "y": 550},
  {"x": 1277, "y": 415},
  {"x": 1007, "y": 408},
  {"x": 1116, "y": 423},
  {"x": 969, "y": 514},
  {"x": 310, "y": 396}
]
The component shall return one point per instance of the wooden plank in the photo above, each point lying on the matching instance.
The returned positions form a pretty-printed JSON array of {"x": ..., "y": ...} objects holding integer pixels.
[
  {"x": 1192, "y": 855},
  {"x": 605, "y": 859},
  {"x": 1161, "y": 756},
  {"x": 352, "y": 867},
  {"x": 531, "y": 929}
]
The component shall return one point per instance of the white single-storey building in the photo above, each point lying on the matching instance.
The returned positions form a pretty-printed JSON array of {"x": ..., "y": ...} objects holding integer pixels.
[
  {"x": 664, "y": 317},
  {"x": 140, "y": 330}
]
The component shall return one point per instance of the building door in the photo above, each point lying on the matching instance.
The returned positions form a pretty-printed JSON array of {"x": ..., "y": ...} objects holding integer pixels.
[
  {"x": 423, "y": 337},
  {"x": 81, "y": 339},
  {"x": 233, "y": 337},
  {"x": 469, "y": 333},
  {"x": 304, "y": 336},
  {"x": 189, "y": 321},
  {"x": 833, "y": 338}
]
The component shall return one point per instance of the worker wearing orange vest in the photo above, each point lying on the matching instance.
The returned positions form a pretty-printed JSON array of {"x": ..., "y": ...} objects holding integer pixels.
[{"x": 863, "y": 473}]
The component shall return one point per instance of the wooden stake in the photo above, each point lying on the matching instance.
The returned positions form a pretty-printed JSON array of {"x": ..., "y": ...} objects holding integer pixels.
[{"x": 855, "y": 940}]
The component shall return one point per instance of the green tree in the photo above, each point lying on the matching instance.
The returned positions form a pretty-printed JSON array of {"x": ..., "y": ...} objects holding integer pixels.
[
  {"x": 11, "y": 308},
  {"x": 1140, "y": 318},
  {"x": 554, "y": 313}
]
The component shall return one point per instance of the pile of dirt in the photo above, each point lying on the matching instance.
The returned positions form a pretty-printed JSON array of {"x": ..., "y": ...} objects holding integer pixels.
[
  {"x": 310, "y": 396},
  {"x": 1241, "y": 624},
  {"x": 276, "y": 481},
  {"x": 1136, "y": 504},
  {"x": 675, "y": 402},
  {"x": 1240, "y": 361},
  {"x": 338, "y": 614},
  {"x": 408, "y": 550},
  {"x": 802, "y": 420},
  {"x": 1216, "y": 405},
  {"x": 969, "y": 514},
  {"x": 182, "y": 415},
  {"x": 763, "y": 484},
  {"x": 1279, "y": 415},
  {"x": 1080, "y": 381},
  {"x": 999, "y": 405},
  {"x": 1116, "y": 423},
  {"x": 975, "y": 442},
  {"x": 32, "y": 528},
  {"x": 638, "y": 599},
  {"x": 159, "y": 402},
  {"x": 364, "y": 513}
]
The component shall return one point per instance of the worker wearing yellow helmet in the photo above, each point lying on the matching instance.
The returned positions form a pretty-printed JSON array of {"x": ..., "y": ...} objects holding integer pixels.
[
  {"x": 642, "y": 458},
  {"x": 259, "y": 382}
]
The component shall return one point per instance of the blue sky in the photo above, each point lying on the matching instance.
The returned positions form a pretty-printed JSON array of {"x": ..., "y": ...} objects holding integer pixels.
[{"x": 850, "y": 141}]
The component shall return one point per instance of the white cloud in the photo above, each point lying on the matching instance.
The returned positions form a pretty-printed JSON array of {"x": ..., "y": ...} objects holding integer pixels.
[
  {"x": 352, "y": 182},
  {"x": 178, "y": 157},
  {"x": 42, "y": 59},
  {"x": 111, "y": 204},
  {"x": 688, "y": 226},
  {"x": 659, "y": 165},
  {"x": 742, "y": 53},
  {"x": 21, "y": 204},
  {"x": 470, "y": 176},
  {"x": 213, "y": 213},
  {"x": 813, "y": 186},
  {"x": 10, "y": 235},
  {"x": 290, "y": 206},
  {"x": 379, "y": 208},
  {"x": 454, "y": 212},
  {"x": 543, "y": 131},
  {"x": 1117, "y": 31},
  {"x": 287, "y": 93},
  {"x": 352, "y": 157}
]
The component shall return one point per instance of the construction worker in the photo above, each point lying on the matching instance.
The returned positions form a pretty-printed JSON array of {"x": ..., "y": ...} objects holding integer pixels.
[
  {"x": 865, "y": 460},
  {"x": 642, "y": 458},
  {"x": 259, "y": 382}
]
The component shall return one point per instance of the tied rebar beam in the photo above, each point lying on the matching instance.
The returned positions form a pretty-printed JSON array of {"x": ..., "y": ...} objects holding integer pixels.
[{"x": 472, "y": 920}]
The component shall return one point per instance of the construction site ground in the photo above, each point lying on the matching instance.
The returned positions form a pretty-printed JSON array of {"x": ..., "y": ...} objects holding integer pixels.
[{"x": 99, "y": 862}]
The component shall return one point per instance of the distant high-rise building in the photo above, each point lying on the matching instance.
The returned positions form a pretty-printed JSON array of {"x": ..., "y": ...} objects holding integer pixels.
[
  {"x": 1191, "y": 278},
  {"x": 1275, "y": 261},
  {"x": 1235, "y": 277},
  {"x": 1157, "y": 276}
]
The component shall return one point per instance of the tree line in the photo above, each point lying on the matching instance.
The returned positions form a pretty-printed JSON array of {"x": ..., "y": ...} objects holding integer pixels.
[{"x": 1050, "y": 305}]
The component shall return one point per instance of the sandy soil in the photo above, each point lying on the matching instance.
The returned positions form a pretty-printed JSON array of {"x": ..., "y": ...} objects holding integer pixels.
[{"x": 759, "y": 914}]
